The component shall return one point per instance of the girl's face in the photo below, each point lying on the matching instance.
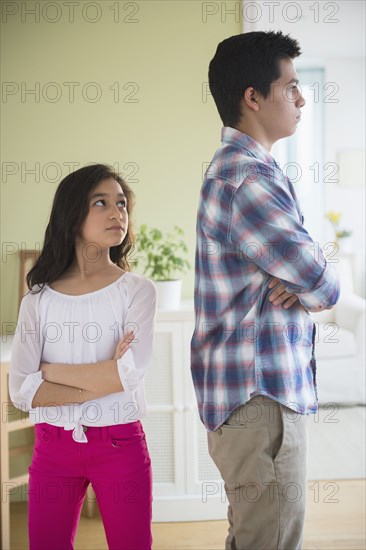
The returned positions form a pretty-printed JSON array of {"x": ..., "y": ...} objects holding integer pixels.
[{"x": 107, "y": 221}]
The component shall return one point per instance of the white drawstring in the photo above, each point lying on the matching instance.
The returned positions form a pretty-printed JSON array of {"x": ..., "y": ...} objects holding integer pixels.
[{"x": 78, "y": 433}]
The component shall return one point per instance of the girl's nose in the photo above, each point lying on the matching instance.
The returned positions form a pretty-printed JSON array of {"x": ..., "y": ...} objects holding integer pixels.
[{"x": 115, "y": 213}]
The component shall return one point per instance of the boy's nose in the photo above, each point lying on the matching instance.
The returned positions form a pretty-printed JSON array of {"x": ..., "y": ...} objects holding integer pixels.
[{"x": 301, "y": 101}]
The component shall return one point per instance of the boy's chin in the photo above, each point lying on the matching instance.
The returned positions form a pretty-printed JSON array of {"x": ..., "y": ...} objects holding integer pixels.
[
  {"x": 291, "y": 131},
  {"x": 286, "y": 135}
]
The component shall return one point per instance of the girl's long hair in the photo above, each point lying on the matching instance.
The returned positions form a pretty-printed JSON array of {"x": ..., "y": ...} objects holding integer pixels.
[{"x": 69, "y": 210}]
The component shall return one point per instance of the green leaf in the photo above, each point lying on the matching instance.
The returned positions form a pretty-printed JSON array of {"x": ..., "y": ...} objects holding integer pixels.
[{"x": 162, "y": 256}]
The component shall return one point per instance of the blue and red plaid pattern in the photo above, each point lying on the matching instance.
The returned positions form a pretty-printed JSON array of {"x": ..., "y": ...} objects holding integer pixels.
[{"x": 249, "y": 230}]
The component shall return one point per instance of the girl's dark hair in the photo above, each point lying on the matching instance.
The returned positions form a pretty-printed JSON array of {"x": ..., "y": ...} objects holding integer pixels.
[
  {"x": 69, "y": 210},
  {"x": 244, "y": 60}
]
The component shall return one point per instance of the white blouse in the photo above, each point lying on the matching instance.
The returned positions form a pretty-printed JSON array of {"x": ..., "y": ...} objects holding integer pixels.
[{"x": 59, "y": 328}]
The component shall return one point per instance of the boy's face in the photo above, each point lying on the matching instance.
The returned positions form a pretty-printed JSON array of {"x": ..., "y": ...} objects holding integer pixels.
[{"x": 279, "y": 112}]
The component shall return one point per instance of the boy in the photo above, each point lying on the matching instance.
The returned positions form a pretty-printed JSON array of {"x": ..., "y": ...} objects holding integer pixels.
[{"x": 258, "y": 274}]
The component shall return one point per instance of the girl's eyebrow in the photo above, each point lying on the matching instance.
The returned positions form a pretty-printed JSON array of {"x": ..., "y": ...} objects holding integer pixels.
[{"x": 95, "y": 195}]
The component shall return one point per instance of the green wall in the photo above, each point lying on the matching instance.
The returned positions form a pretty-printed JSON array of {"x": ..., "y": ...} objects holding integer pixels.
[{"x": 157, "y": 54}]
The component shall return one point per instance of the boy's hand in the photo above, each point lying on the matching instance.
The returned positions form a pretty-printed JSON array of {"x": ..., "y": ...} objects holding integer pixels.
[
  {"x": 123, "y": 345},
  {"x": 280, "y": 295}
]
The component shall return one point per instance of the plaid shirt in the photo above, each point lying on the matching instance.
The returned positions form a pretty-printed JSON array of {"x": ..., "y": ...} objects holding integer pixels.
[{"x": 249, "y": 230}]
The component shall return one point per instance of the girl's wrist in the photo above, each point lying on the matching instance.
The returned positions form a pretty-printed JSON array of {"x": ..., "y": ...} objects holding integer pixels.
[{"x": 45, "y": 369}]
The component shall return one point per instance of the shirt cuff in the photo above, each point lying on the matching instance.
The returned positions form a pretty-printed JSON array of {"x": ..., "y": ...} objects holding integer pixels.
[
  {"x": 127, "y": 372},
  {"x": 324, "y": 295},
  {"x": 24, "y": 397}
]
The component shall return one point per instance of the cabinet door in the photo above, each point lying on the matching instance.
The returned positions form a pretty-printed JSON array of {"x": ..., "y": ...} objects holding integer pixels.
[
  {"x": 203, "y": 478},
  {"x": 164, "y": 423}
]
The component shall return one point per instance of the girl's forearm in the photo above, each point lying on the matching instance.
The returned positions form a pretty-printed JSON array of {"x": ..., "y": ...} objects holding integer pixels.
[
  {"x": 50, "y": 394},
  {"x": 99, "y": 377}
]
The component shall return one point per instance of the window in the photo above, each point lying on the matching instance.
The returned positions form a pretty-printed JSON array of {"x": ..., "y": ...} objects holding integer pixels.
[{"x": 301, "y": 155}]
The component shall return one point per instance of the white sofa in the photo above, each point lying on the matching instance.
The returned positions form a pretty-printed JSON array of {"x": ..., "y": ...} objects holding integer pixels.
[{"x": 340, "y": 345}]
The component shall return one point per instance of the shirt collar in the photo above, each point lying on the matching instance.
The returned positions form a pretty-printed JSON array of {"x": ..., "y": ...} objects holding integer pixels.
[{"x": 253, "y": 148}]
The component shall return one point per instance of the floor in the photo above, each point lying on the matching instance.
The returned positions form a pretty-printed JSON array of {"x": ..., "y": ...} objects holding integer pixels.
[
  {"x": 337, "y": 443},
  {"x": 336, "y": 496},
  {"x": 335, "y": 520}
]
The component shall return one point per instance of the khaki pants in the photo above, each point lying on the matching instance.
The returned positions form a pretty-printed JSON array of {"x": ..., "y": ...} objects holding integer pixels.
[{"x": 261, "y": 453}]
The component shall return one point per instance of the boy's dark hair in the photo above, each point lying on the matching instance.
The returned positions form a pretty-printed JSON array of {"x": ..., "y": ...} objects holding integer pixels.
[
  {"x": 244, "y": 60},
  {"x": 69, "y": 210}
]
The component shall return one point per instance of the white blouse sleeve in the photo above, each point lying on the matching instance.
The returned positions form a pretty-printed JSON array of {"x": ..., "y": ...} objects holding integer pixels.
[
  {"x": 26, "y": 352},
  {"x": 140, "y": 318}
]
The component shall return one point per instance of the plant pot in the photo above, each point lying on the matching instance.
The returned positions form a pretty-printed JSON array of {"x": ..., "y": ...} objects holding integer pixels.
[
  {"x": 169, "y": 293},
  {"x": 345, "y": 245}
]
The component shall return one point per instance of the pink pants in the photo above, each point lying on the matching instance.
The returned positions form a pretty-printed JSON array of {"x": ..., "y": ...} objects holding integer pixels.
[{"x": 115, "y": 461}]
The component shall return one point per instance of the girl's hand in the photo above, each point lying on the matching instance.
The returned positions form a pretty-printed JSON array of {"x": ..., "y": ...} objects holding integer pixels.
[
  {"x": 123, "y": 345},
  {"x": 280, "y": 295}
]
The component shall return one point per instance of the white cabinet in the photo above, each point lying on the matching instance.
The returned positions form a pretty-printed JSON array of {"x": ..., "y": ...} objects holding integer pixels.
[{"x": 187, "y": 485}]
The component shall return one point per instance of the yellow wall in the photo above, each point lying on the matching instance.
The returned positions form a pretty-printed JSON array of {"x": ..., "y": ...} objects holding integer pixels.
[{"x": 168, "y": 134}]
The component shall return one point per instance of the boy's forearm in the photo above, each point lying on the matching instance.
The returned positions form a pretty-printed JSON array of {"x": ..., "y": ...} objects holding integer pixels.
[
  {"x": 50, "y": 394},
  {"x": 94, "y": 377}
]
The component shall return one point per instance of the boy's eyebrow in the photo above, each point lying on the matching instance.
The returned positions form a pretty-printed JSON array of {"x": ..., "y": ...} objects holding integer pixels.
[
  {"x": 294, "y": 81},
  {"x": 106, "y": 195}
]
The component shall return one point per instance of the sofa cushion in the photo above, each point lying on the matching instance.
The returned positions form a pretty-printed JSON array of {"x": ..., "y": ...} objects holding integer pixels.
[
  {"x": 325, "y": 316},
  {"x": 334, "y": 341}
]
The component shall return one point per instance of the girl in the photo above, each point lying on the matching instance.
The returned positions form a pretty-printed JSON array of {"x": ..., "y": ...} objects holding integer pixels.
[{"x": 82, "y": 347}]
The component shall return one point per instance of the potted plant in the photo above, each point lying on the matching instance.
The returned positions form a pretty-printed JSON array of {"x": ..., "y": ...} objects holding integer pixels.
[{"x": 162, "y": 258}]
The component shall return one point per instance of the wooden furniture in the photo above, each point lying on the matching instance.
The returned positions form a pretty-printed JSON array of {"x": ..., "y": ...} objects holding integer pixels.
[
  {"x": 12, "y": 421},
  {"x": 27, "y": 259}
]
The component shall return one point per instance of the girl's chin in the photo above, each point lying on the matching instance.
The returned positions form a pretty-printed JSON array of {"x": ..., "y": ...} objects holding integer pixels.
[{"x": 118, "y": 242}]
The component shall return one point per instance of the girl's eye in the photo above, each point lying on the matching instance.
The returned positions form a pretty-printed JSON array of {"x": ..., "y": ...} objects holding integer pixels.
[{"x": 101, "y": 201}]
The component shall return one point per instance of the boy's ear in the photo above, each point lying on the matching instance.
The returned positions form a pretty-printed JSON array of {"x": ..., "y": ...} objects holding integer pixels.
[{"x": 251, "y": 98}]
